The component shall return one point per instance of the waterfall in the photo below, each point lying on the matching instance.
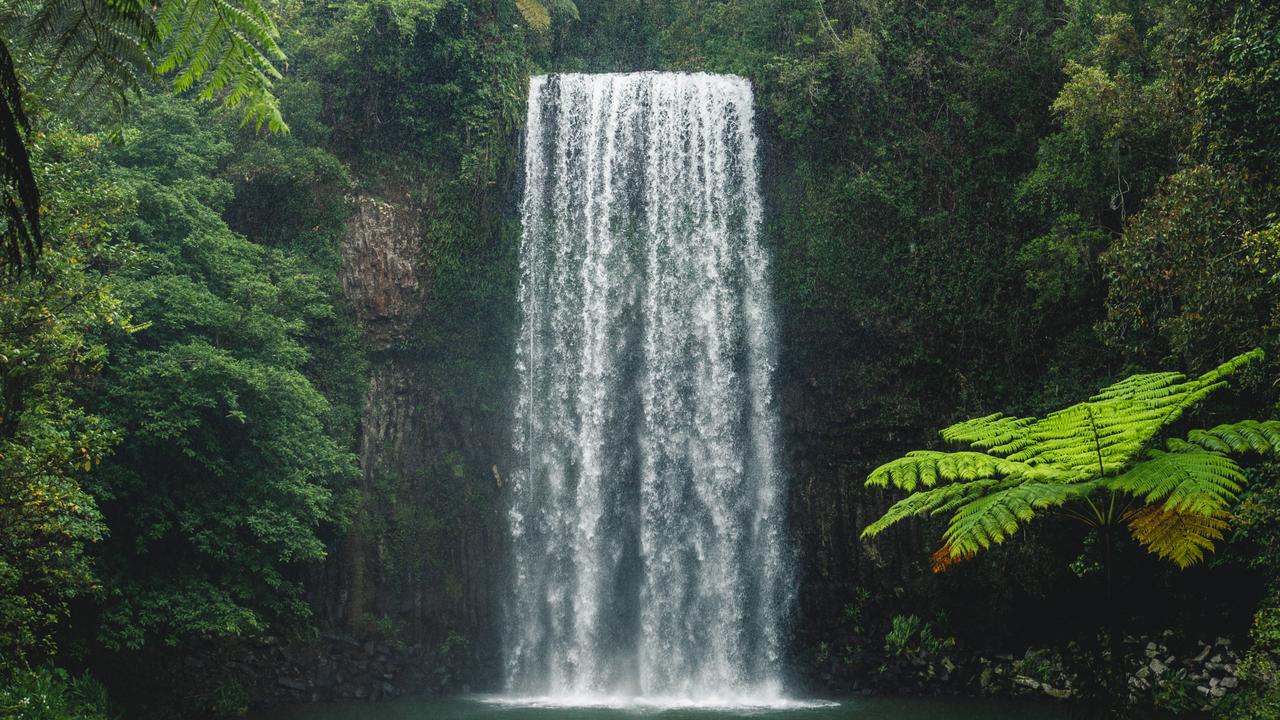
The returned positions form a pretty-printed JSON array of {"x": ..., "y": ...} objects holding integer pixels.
[{"x": 646, "y": 517}]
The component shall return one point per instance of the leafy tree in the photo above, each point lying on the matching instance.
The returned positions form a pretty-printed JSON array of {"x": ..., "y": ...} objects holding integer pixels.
[
  {"x": 228, "y": 468},
  {"x": 49, "y": 441},
  {"x": 1108, "y": 461},
  {"x": 224, "y": 49}
]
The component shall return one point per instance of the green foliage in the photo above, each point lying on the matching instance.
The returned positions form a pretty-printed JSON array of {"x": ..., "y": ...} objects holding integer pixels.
[
  {"x": 959, "y": 193},
  {"x": 910, "y": 635},
  {"x": 227, "y": 49},
  {"x": 1175, "y": 693},
  {"x": 535, "y": 13},
  {"x": 1257, "y": 533},
  {"x": 1098, "y": 458},
  {"x": 48, "y": 440},
  {"x": 214, "y": 406},
  {"x": 1182, "y": 280},
  {"x": 1058, "y": 266},
  {"x": 1036, "y": 664},
  {"x": 21, "y": 237},
  {"x": 227, "y": 700},
  {"x": 51, "y": 693},
  {"x": 1259, "y": 671}
]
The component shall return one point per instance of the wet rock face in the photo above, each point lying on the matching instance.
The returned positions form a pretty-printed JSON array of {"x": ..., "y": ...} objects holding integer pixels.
[
  {"x": 422, "y": 549},
  {"x": 382, "y": 267}
]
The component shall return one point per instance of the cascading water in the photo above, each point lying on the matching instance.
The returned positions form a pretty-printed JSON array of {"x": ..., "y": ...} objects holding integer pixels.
[{"x": 646, "y": 515}]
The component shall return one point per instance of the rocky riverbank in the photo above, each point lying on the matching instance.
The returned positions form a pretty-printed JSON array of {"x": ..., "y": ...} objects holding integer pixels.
[{"x": 1163, "y": 671}]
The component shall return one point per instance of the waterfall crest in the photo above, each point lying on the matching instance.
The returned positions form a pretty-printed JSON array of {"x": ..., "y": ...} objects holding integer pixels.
[{"x": 646, "y": 516}]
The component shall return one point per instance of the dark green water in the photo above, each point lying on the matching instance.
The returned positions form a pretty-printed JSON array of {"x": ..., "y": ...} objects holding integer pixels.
[{"x": 856, "y": 709}]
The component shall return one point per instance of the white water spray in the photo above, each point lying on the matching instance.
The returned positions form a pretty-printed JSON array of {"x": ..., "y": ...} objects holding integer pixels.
[{"x": 649, "y": 553}]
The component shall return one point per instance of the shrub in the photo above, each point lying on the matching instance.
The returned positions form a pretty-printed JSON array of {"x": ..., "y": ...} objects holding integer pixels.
[
  {"x": 51, "y": 693},
  {"x": 910, "y": 634}
]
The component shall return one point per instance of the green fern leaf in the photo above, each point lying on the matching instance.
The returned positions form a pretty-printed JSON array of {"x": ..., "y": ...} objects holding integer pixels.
[
  {"x": 929, "y": 502},
  {"x": 1248, "y": 436},
  {"x": 1195, "y": 481},
  {"x": 992, "y": 518},
  {"x": 1021, "y": 467},
  {"x": 928, "y": 468},
  {"x": 997, "y": 434}
]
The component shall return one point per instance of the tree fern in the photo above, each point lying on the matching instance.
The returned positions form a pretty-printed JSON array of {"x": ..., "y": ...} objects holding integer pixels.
[{"x": 1096, "y": 461}]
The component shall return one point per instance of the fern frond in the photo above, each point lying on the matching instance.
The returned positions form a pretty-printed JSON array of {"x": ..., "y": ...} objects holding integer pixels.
[
  {"x": 228, "y": 47},
  {"x": 1180, "y": 537},
  {"x": 1148, "y": 386},
  {"x": 929, "y": 467},
  {"x": 990, "y": 519},
  {"x": 997, "y": 434},
  {"x": 1028, "y": 465},
  {"x": 535, "y": 14},
  {"x": 943, "y": 559},
  {"x": 1248, "y": 436},
  {"x": 1111, "y": 431},
  {"x": 930, "y": 502},
  {"x": 1194, "y": 481}
]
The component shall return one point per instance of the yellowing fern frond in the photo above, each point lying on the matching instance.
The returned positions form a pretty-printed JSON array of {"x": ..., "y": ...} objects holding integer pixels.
[
  {"x": 535, "y": 14},
  {"x": 1179, "y": 537}
]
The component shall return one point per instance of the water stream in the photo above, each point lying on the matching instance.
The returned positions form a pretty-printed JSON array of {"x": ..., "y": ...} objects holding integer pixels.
[{"x": 649, "y": 553}]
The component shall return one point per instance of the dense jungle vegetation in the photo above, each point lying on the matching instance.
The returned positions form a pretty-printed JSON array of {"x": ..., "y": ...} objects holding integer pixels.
[{"x": 973, "y": 207}]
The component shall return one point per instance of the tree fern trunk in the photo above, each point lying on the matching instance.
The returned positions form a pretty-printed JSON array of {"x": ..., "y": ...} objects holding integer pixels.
[{"x": 1115, "y": 682}]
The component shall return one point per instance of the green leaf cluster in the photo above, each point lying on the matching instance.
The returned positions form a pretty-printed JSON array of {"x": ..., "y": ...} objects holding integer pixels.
[
  {"x": 230, "y": 465},
  {"x": 52, "y": 320},
  {"x": 1109, "y": 460}
]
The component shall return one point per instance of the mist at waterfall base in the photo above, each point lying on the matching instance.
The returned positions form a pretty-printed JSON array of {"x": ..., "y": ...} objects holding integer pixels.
[
  {"x": 486, "y": 708},
  {"x": 649, "y": 555}
]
